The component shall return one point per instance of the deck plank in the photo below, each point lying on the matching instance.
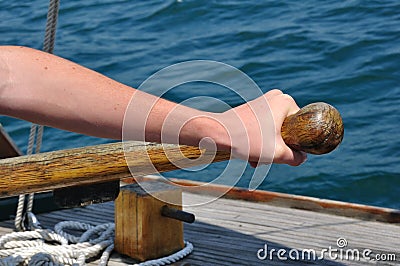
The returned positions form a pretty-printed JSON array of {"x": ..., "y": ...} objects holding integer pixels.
[{"x": 230, "y": 232}]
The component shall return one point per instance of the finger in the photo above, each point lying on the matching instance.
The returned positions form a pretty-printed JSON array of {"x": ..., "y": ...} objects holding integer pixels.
[
  {"x": 285, "y": 155},
  {"x": 291, "y": 103},
  {"x": 284, "y": 105},
  {"x": 291, "y": 157},
  {"x": 253, "y": 164},
  {"x": 299, "y": 158}
]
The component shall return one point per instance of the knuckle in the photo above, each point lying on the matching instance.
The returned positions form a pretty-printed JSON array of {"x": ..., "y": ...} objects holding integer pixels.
[
  {"x": 294, "y": 163},
  {"x": 287, "y": 97},
  {"x": 277, "y": 91}
]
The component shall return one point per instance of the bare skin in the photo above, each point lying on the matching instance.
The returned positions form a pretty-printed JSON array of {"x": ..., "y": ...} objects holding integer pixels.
[{"x": 49, "y": 90}]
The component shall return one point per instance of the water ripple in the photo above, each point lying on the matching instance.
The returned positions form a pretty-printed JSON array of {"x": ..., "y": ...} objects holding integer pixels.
[{"x": 342, "y": 52}]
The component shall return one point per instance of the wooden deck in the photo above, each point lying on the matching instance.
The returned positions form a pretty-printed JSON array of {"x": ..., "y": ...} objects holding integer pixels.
[{"x": 231, "y": 232}]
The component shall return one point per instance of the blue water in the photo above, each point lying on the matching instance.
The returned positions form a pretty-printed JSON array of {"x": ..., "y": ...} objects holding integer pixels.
[{"x": 346, "y": 53}]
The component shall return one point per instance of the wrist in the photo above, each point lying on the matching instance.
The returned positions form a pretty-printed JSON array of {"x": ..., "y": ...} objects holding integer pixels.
[{"x": 207, "y": 131}]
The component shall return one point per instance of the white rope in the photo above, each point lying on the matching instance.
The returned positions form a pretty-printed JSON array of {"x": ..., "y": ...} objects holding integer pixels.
[
  {"x": 56, "y": 248},
  {"x": 21, "y": 199},
  {"x": 36, "y": 131},
  {"x": 171, "y": 258}
]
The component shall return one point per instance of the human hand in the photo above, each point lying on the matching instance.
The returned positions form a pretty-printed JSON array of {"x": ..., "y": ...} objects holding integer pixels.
[
  {"x": 282, "y": 105},
  {"x": 254, "y": 130}
]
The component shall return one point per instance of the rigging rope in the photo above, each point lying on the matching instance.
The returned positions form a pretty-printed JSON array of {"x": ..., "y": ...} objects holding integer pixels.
[{"x": 36, "y": 132}]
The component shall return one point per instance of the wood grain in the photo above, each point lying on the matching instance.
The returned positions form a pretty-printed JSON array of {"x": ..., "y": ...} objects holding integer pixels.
[
  {"x": 141, "y": 232},
  {"x": 47, "y": 171},
  {"x": 339, "y": 208},
  {"x": 316, "y": 128}
]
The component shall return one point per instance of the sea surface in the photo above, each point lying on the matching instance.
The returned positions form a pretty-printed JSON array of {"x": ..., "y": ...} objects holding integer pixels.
[{"x": 346, "y": 53}]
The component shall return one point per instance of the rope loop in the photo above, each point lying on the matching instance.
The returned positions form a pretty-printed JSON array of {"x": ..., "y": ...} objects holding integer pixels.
[
  {"x": 43, "y": 259},
  {"x": 72, "y": 225}
]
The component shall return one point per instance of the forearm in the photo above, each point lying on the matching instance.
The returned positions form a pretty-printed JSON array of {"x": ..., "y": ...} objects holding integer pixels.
[
  {"x": 46, "y": 89},
  {"x": 52, "y": 91}
]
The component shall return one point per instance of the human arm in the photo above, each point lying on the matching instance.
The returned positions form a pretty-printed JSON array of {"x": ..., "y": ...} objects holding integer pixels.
[{"x": 48, "y": 90}]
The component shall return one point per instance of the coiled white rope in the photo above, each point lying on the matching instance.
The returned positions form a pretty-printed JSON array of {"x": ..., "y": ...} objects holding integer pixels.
[{"x": 56, "y": 248}]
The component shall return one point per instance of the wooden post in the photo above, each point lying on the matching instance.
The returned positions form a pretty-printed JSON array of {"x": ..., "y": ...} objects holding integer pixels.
[{"x": 141, "y": 232}]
